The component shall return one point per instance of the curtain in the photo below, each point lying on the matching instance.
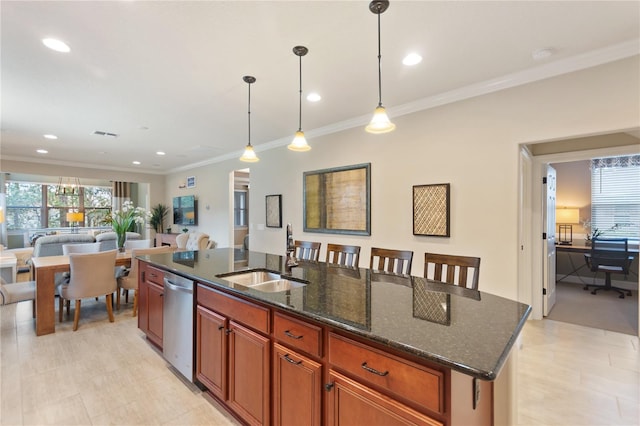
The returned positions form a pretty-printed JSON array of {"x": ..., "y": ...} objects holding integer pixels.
[{"x": 120, "y": 192}]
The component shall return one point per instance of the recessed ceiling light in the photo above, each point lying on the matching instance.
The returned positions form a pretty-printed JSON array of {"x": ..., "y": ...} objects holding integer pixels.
[
  {"x": 160, "y": 153},
  {"x": 42, "y": 151},
  {"x": 543, "y": 53},
  {"x": 313, "y": 97},
  {"x": 57, "y": 45},
  {"x": 136, "y": 163},
  {"x": 50, "y": 136},
  {"x": 412, "y": 59}
]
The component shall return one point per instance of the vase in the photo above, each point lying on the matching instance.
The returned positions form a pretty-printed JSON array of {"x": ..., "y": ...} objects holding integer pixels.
[{"x": 120, "y": 239}]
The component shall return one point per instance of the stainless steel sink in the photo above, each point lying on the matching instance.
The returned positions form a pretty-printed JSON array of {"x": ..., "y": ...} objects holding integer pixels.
[{"x": 266, "y": 281}]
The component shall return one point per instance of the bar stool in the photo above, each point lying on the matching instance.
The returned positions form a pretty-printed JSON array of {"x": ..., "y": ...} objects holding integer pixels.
[
  {"x": 307, "y": 250},
  {"x": 455, "y": 266},
  {"x": 397, "y": 261},
  {"x": 345, "y": 255}
]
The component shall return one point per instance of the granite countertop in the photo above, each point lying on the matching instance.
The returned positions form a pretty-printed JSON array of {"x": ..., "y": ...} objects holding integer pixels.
[{"x": 469, "y": 331}]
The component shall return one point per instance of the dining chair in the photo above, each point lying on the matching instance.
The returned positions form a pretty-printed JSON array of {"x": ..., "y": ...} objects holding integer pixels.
[
  {"x": 340, "y": 254},
  {"x": 67, "y": 249},
  {"x": 91, "y": 275},
  {"x": 462, "y": 271},
  {"x": 129, "y": 281},
  {"x": 307, "y": 250},
  {"x": 137, "y": 244},
  {"x": 611, "y": 256},
  {"x": 397, "y": 261}
]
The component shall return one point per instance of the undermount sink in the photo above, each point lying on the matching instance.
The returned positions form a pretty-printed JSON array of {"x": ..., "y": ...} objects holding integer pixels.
[{"x": 266, "y": 281}]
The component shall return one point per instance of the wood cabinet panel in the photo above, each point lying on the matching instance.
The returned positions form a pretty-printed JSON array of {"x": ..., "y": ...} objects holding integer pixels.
[
  {"x": 150, "y": 302},
  {"x": 249, "y": 370},
  {"x": 211, "y": 351},
  {"x": 299, "y": 334},
  {"x": 156, "y": 306},
  {"x": 297, "y": 388},
  {"x": 351, "y": 403},
  {"x": 408, "y": 380},
  {"x": 249, "y": 314}
]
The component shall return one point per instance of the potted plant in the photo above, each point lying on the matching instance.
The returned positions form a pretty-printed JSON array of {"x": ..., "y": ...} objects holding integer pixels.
[
  {"x": 158, "y": 213},
  {"x": 125, "y": 220}
]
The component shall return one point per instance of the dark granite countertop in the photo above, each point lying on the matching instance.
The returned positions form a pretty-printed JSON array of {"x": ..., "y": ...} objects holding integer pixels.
[{"x": 469, "y": 331}]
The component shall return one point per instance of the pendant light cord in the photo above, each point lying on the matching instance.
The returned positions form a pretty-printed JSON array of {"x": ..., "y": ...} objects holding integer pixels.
[
  {"x": 300, "y": 100},
  {"x": 249, "y": 113},
  {"x": 379, "y": 66}
]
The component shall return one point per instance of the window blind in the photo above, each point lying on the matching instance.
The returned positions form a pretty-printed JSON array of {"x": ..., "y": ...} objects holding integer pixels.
[{"x": 615, "y": 196}]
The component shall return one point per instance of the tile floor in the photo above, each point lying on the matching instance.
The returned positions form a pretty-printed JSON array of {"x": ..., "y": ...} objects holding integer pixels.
[{"x": 106, "y": 373}]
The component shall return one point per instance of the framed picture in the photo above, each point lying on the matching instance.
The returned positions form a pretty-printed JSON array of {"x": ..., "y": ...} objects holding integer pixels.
[
  {"x": 191, "y": 182},
  {"x": 431, "y": 210},
  {"x": 274, "y": 211},
  {"x": 338, "y": 200}
]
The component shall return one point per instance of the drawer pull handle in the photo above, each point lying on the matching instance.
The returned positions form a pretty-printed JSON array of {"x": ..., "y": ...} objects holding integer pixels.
[
  {"x": 220, "y": 327},
  {"x": 291, "y": 360},
  {"x": 373, "y": 370},
  {"x": 293, "y": 336}
]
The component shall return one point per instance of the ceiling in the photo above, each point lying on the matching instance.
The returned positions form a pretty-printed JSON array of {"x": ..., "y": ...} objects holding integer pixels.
[{"x": 167, "y": 76}]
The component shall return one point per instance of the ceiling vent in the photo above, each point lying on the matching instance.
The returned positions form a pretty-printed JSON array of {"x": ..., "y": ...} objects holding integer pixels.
[{"x": 101, "y": 133}]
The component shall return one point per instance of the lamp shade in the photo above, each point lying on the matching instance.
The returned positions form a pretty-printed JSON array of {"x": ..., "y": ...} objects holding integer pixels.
[
  {"x": 567, "y": 215},
  {"x": 75, "y": 217}
]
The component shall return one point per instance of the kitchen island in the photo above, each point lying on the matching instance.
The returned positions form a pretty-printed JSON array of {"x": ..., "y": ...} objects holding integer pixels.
[{"x": 340, "y": 345}]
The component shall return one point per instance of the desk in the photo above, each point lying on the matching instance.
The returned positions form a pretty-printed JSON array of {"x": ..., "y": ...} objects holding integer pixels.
[
  {"x": 560, "y": 248},
  {"x": 45, "y": 269}
]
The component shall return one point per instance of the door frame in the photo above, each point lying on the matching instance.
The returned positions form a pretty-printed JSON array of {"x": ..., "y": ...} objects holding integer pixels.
[{"x": 532, "y": 289}]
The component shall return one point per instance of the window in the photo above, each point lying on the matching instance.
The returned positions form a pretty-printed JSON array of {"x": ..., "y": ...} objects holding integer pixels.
[
  {"x": 615, "y": 196},
  {"x": 34, "y": 205},
  {"x": 240, "y": 209}
]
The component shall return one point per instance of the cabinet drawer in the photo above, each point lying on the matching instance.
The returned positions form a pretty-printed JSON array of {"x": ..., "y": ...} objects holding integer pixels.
[
  {"x": 408, "y": 380},
  {"x": 247, "y": 313},
  {"x": 297, "y": 333},
  {"x": 151, "y": 274}
]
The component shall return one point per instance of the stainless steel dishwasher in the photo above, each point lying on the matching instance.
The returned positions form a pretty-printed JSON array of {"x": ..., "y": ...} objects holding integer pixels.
[{"x": 177, "y": 323}]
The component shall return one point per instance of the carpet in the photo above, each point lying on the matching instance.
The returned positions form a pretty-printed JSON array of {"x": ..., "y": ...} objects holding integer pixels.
[{"x": 604, "y": 310}]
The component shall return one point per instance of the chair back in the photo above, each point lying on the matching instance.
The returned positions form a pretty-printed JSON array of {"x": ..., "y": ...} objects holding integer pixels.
[
  {"x": 135, "y": 244},
  {"x": 133, "y": 272},
  {"x": 610, "y": 252},
  {"x": 91, "y": 274},
  {"x": 80, "y": 248},
  {"x": 192, "y": 241},
  {"x": 343, "y": 254},
  {"x": 307, "y": 250},
  {"x": 463, "y": 271},
  {"x": 396, "y": 261}
]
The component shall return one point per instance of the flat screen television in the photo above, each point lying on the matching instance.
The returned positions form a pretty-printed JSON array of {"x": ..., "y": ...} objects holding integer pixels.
[{"x": 185, "y": 210}]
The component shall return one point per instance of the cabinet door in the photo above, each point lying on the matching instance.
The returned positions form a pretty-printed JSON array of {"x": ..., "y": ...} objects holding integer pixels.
[
  {"x": 351, "y": 403},
  {"x": 143, "y": 303},
  {"x": 155, "y": 306},
  {"x": 297, "y": 388},
  {"x": 249, "y": 374},
  {"x": 211, "y": 351}
]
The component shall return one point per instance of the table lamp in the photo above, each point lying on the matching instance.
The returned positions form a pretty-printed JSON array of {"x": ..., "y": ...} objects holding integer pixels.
[
  {"x": 74, "y": 218},
  {"x": 565, "y": 218}
]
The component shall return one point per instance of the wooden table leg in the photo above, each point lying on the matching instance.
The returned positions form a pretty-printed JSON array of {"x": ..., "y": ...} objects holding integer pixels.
[{"x": 45, "y": 311}]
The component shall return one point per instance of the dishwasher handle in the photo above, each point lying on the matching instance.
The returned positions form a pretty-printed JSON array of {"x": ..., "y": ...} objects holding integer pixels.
[{"x": 177, "y": 287}]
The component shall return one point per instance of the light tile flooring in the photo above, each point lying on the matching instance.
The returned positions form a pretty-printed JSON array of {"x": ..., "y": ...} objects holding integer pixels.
[{"x": 106, "y": 373}]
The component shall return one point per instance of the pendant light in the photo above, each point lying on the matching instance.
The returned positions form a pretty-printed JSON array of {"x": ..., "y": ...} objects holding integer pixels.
[
  {"x": 299, "y": 142},
  {"x": 249, "y": 154},
  {"x": 380, "y": 123}
]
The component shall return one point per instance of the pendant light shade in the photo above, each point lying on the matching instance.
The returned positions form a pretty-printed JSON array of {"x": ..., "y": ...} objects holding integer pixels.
[
  {"x": 299, "y": 142},
  {"x": 380, "y": 122},
  {"x": 249, "y": 155}
]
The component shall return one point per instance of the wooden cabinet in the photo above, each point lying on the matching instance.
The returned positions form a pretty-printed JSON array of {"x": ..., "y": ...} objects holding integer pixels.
[
  {"x": 352, "y": 403},
  {"x": 297, "y": 388},
  {"x": 150, "y": 302},
  {"x": 232, "y": 360}
]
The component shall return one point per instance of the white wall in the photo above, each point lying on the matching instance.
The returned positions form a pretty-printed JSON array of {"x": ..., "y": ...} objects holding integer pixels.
[{"x": 473, "y": 145}]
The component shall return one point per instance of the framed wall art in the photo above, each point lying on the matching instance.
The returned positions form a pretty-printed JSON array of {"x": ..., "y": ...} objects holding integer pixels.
[
  {"x": 274, "y": 211},
  {"x": 191, "y": 182},
  {"x": 431, "y": 210},
  {"x": 338, "y": 200}
]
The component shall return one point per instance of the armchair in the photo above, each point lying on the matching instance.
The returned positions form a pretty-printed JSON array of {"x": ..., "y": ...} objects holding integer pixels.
[{"x": 194, "y": 241}]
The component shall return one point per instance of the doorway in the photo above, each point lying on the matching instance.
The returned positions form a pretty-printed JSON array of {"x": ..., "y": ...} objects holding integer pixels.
[
  {"x": 534, "y": 159},
  {"x": 240, "y": 197}
]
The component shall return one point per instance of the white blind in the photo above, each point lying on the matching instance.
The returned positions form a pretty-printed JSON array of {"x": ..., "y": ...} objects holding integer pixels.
[{"x": 615, "y": 196}]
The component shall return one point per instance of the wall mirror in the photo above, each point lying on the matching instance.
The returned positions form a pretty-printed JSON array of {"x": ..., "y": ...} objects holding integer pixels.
[{"x": 338, "y": 200}]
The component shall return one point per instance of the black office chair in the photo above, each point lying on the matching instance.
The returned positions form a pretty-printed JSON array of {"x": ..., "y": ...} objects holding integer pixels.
[{"x": 611, "y": 256}]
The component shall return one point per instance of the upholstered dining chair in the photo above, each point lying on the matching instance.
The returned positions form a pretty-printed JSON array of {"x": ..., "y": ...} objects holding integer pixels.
[
  {"x": 91, "y": 275},
  {"x": 346, "y": 255},
  {"x": 307, "y": 250},
  {"x": 387, "y": 260},
  {"x": 193, "y": 241},
  {"x": 138, "y": 244},
  {"x": 67, "y": 249},
  {"x": 130, "y": 280},
  {"x": 462, "y": 271}
]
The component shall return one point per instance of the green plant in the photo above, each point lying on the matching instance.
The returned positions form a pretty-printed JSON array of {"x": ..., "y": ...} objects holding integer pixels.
[{"x": 158, "y": 214}]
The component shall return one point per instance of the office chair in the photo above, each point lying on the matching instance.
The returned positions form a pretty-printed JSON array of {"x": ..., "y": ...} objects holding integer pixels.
[{"x": 611, "y": 256}]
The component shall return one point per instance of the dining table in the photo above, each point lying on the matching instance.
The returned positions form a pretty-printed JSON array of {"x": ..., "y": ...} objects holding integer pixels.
[{"x": 44, "y": 271}]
